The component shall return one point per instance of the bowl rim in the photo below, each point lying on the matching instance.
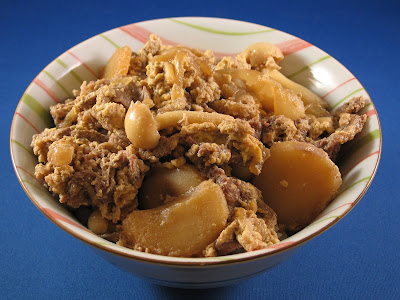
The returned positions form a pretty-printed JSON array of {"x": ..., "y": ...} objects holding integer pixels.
[{"x": 182, "y": 261}]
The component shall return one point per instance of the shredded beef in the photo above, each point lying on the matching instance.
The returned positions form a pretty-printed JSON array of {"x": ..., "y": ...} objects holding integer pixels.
[
  {"x": 89, "y": 163},
  {"x": 209, "y": 154},
  {"x": 325, "y": 132},
  {"x": 252, "y": 222},
  {"x": 101, "y": 174}
]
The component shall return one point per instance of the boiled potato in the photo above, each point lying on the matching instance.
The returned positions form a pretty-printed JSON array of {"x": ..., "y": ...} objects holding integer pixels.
[
  {"x": 298, "y": 181},
  {"x": 180, "y": 228},
  {"x": 163, "y": 182},
  {"x": 118, "y": 64}
]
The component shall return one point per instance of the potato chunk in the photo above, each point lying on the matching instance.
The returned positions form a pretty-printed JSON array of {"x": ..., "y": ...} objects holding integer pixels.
[
  {"x": 180, "y": 228},
  {"x": 162, "y": 183},
  {"x": 298, "y": 181},
  {"x": 118, "y": 64}
]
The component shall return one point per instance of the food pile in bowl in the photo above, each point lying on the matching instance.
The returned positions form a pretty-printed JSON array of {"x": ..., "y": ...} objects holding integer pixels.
[{"x": 176, "y": 152}]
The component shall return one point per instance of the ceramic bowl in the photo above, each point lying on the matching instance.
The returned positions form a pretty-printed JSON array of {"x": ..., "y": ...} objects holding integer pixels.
[{"x": 303, "y": 63}]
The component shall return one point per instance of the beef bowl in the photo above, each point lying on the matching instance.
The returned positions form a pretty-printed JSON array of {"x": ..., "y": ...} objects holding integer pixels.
[{"x": 195, "y": 152}]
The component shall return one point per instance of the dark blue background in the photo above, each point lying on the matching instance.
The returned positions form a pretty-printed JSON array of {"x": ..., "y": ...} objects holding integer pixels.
[{"x": 356, "y": 259}]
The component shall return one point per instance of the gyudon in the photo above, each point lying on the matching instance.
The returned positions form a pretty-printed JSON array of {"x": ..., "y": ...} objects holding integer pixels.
[{"x": 176, "y": 152}]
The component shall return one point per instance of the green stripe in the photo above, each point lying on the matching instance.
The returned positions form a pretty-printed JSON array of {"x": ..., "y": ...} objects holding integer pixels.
[
  {"x": 202, "y": 28},
  {"x": 367, "y": 104},
  {"x": 58, "y": 83},
  {"x": 109, "y": 40},
  {"x": 349, "y": 95},
  {"x": 368, "y": 138},
  {"x": 307, "y": 67},
  {"x": 41, "y": 188},
  {"x": 373, "y": 135},
  {"x": 22, "y": 146},
  {"x": 38, "y": 109},
  {"x": 104, "y": 244},
  {"x": 72, "y": 72},
  {"x": 355, "y": 183}
]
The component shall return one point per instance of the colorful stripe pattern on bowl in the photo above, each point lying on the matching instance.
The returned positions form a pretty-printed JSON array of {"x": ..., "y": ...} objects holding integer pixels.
[{"x": 303, "y": 63}]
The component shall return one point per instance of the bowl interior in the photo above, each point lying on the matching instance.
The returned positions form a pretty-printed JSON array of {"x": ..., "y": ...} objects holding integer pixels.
[{"x": 303, "y": 63}]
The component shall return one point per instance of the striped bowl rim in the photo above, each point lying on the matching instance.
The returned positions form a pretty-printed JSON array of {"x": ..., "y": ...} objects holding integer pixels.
[{"x": 303, "y": 63}]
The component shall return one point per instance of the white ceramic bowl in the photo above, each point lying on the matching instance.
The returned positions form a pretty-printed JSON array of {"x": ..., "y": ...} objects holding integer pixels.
[{"x": 303, "y": 63}]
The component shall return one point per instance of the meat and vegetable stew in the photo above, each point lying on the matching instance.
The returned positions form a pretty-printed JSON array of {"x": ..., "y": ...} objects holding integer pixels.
[{"x": 176, "y": 152}]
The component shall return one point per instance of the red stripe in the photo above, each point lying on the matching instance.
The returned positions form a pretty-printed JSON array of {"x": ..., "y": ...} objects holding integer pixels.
[
  {"x": 292, "y": 46},
  {"x": 287, "y": 48},
  {"x": 27, "y": 121},
  {"x": 143, "y": 35},
  {"x": 46, "y": 89},
  {"x": 376, "y": 152},
  {"x": 59, "y": 217},
  {"x": 83, "y": 64},
  {"x": 280, "y": 245},
  {"x": 30, "y": 174},
  {"x": 350, "y": 203},
  {"x": 371, "y": 112},
  {"x": 53, "y": 213},
  {"x": 222, "y": 54},
  {"x": 338, "y": 87}
]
